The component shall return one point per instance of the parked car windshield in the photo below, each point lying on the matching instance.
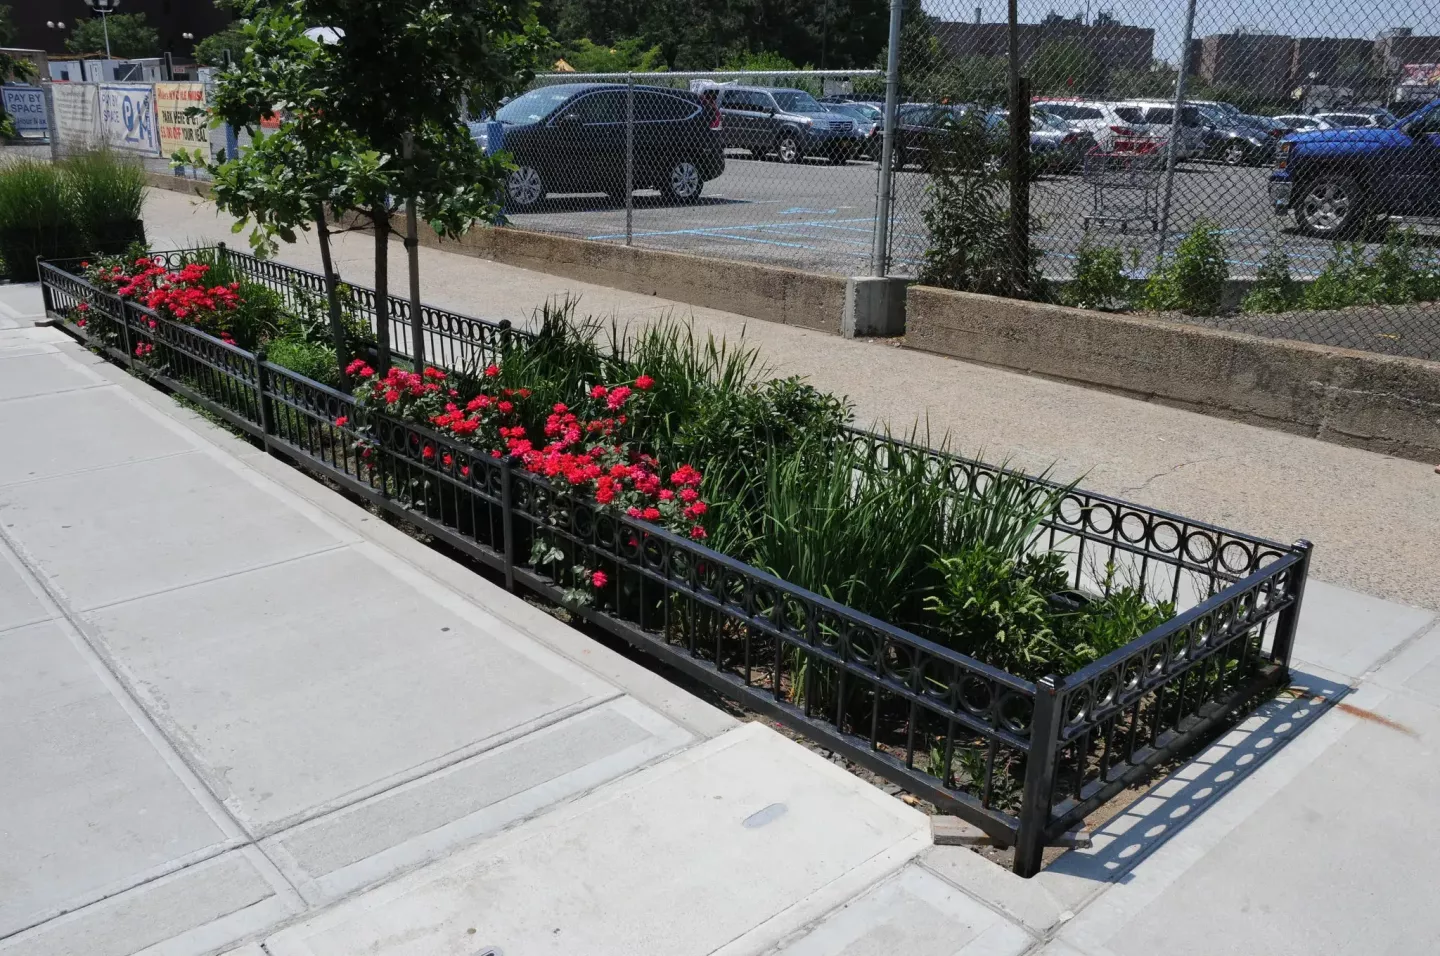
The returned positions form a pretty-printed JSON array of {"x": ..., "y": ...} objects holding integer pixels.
[
  {"x": 797, "y": 101},
  {"x": 534, "y": 106}
]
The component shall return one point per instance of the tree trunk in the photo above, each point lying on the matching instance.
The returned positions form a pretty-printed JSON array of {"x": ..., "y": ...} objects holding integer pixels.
[
  {"x": 381, "y": 216},
  {"x": 332, "y": 298},
  {"x": 412, "y": 252}
]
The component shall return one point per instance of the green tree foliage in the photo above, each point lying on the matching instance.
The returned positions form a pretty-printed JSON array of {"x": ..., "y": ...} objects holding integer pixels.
[
  {"x": 624, "y": 56},
  {"x": 757, "y": 61},
  {"x": 1193, "y": 281},
  {"x": 211, "y": 50},
  {"x": 1158, "y": 82},
  {"x": 968, "y": 220},
  {"x": 8, "y": 33},
  {"x": 130, "y": 36},
  {"x": 704, "y": 36},
  {"x": 1066, "y": 66}
]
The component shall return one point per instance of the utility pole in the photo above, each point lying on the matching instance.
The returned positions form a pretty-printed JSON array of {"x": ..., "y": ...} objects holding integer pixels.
[
  {"x": 880, "y": 248},
  {"x": 1019, "y": 161},
  {"x": 1175, "y": 126}
]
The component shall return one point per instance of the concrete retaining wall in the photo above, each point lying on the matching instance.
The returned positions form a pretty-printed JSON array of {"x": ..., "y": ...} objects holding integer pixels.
[
  {"x": 787, "y": 296},
  {"x": 178, "y": 184},
  {"x": 1381, "y": 403}
]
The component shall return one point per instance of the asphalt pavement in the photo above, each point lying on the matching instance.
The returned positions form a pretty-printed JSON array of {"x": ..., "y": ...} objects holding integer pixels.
[{"x": 821, "y": 217}]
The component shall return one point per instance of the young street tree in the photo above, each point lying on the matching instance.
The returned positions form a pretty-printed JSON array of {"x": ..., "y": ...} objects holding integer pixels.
[{"x": 391, "y": 68}]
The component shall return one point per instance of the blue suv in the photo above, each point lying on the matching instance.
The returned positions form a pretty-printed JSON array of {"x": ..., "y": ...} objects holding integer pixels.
[{"x": 1336, "y": 181}]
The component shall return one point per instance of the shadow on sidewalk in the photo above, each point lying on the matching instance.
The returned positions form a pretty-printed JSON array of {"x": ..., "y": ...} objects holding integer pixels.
[{"x": 1132, "y": 835}]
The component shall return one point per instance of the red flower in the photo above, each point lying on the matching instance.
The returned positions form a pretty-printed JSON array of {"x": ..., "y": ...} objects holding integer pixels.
[
  {"x": 448, "y": 461},
  {"x": 83, "y": 307},
  {"x": 491, "y": 371},
  {"x": 644, "y": 383},
  {"x": 342, "y": 421},
  {"x": 599, "y": 579},
  {"x": 697, "y": 532},
  {"x": 428, "y": 453},
  {"x": 598, "y": 391}
]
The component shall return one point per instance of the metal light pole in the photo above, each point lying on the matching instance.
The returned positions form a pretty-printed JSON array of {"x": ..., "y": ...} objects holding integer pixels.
[
  {"x": 104, "y": 8},
  {"x": 1175, "y": 127},
  {"x": 1019, "y": 158}
]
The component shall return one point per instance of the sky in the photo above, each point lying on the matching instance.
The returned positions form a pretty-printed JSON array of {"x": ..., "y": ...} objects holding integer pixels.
[{"x": 1342, "y": 18}]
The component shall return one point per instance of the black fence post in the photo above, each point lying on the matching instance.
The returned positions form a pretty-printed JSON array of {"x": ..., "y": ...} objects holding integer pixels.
[
  {"x": 1289, "y": 619},
  {"x": 507, "y": 519},
  {"x": 125, "y": 330},
  {"x": 1039, "y": 777},
  {"x": 262, "y": 397},
  {"x": 46, "y": 292},
  {"x": 223, "y": 255}
]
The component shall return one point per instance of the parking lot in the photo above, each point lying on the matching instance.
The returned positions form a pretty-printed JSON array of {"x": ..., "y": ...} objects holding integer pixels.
[{"x": 821, "y": 218}]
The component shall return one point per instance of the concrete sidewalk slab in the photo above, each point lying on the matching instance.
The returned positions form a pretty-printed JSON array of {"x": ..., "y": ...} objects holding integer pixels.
[
  {"x": 88, "y": 808},
  {"x": 51, "y": 435},
  {"x": 725, "y": 848},
  {"x": 309, "y": 684},
  {"x": 914, "y": 913},
  {"x": 180, "y": 520},
  {"x": 1349, "y": 633},
  {"x": 44, "y": 374},
  {"x": 194, "y": 910}
]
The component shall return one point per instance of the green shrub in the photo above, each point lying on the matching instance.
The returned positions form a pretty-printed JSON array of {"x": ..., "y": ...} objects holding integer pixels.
[
  {"x": 106, "y": 188},
  {"x": 1100, "y": 281},
  {"x": 968, "y": 220},
  {"x": 36, "y": 217},
  {"x": 1275, "y": 290},
  {"x": 314, "y": 360},
  {"x": 1400, "y": 273},
  {"x": 995, "y": 607},
  {"x": 1194, "y": 281}
]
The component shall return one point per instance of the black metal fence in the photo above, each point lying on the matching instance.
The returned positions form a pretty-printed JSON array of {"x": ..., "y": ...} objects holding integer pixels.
[{"x": 1024, "y": 761}]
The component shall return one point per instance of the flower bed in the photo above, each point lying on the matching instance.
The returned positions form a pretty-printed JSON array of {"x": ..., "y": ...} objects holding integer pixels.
[{"x": 1013, "y": 649}]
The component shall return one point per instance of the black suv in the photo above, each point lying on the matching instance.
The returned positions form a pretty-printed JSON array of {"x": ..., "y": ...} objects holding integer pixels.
[
  {"x": 791, "y": 124},
  {"x": 571, "y": 139}
]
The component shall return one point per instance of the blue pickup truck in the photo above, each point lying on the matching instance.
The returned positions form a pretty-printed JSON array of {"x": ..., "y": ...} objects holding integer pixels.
[{"x": 1336, "y": 181}]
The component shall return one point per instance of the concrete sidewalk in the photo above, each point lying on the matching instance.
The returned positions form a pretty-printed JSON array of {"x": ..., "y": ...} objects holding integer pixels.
[
  {"x": 230, "y": 698},
  {"x": 1375, "y": 520}
]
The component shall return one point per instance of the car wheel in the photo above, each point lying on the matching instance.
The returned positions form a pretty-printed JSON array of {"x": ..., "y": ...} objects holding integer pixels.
[
  {"x": 1329, "y": 207},
  {"x": 787, "y": 149},
  {"x": 684, "y": 182},
  {"x": 1234, "y": 154},
  {"x": 992, "y": 165},
  {"x": 525, "y": 187}
]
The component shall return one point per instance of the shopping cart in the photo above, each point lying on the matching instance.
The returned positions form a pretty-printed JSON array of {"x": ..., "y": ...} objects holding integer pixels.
[{"x": 1125, "y": 184}]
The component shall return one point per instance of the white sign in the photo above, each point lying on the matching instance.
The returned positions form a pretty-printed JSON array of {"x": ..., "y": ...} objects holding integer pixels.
[
  {"x": 127, "y": 117},
  {"x": 27, "y": 105},
  {"x": 77, "y": 114}
]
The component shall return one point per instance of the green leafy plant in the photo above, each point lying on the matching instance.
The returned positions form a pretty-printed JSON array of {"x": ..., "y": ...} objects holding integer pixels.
[
  {"x": 967, "y": 219},
  {"x": 315, "y": 360},
  {"x": 1399, "y": 273},
  {"x": 1100, "y": 281},
  {"x": 994, "y": 606},
  {"x": 1275, "y": 290},
  {"x": 37, "y": 216},
  {"x": 1194, "y": 280}
]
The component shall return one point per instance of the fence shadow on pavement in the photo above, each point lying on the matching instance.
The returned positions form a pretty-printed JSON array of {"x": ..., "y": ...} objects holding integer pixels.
[{"x": 1164, "y": 811}]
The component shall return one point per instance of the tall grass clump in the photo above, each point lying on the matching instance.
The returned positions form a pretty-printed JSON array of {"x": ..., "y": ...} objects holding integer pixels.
[
  {"x": 36, "y": 216},
  {"x": 107, "y": 194}
]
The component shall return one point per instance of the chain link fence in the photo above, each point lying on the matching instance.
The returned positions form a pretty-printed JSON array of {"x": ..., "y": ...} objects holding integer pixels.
[
  {"x": 1266, "y": 203},
  {"x": 761, "y": 166},
  {"x": 1284, "y": 197}
]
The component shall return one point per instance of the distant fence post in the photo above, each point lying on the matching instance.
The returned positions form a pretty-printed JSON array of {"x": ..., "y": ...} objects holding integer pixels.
[
  {"x": 629, "y": 158},
  {"x": 1171, "y": 157},
  {"x": 262, "y": 396},
  {"x": 52, "y": 128},
  {"x": 880, "y": 249}
]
